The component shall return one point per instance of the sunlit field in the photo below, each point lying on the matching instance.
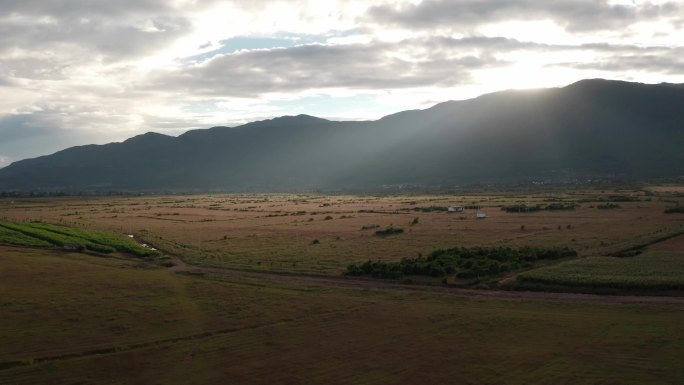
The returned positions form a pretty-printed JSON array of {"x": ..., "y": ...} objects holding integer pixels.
[{"x": 319, "y": 234}]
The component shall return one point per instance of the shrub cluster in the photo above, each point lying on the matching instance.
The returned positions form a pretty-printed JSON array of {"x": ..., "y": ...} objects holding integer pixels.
[
  {"x": 613, "y": 198},
  {"x": 430, "y": 209},
  {"x": 523, "y": 208},
  {"x": 368, "y": 227},
  {"x": 463, "y": 262},
  {"x": 389, "y": 231}
]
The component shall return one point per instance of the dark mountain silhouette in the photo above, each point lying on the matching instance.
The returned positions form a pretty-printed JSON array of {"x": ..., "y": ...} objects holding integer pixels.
[{"x": 592, "y": 129}]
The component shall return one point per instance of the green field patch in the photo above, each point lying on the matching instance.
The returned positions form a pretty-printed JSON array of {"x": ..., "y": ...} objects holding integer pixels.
[
  {"x": 648, "y": 271},
  {"x": 116, "y": 242},
  {"x": 44, "y": 235},
  {"x": 13, "y": 237}
]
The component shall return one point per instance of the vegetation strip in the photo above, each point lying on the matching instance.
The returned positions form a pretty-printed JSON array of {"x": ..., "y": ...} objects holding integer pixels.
[
  {"x": 44, "y": 235},
  {"x": 464, "y": 262},
  {"x": 635, "y": 250},
  {"x": 649, "y": 272}
]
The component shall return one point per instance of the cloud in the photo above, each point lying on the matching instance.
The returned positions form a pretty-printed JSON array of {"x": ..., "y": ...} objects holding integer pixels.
[
  {"x": 88, "y": 30},
  {"x": 573, "y": 15},
  {"x": 6, "y": 81},
  {"x": 436, "y": 61},
  {"x": 376, "y": 65},
  {"x": 25, "y": 136},
  {"x": 5, "y": 161},
  {"x": 84, "y": 8},
  {"x": 249, "y": 43},
  {"x": 54, "y": 128},
  {"x": 665, "y": 61},
  {"x": 36, "y": 68},
  {"x": 20, "y": 127}
]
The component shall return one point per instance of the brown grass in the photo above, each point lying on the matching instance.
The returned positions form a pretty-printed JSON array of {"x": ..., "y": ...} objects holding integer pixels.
[
  {"x": 158, "y": 327},
  {"x": 673, "y": 245},
  {"x": 269, "y": 232}
]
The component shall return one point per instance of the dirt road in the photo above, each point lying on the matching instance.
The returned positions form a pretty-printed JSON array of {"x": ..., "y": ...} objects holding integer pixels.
[{"x": 182, "y": 266}]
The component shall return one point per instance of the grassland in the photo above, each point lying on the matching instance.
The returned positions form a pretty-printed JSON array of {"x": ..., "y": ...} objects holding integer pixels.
[
  {"x": 72, "y": 318},
  {"x": 279, "y": 232},
  {"x": 79, "y": 319}
]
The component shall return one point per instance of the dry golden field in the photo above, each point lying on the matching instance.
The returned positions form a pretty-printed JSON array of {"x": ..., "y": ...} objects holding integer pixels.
[{"x": 322, "y": 234}]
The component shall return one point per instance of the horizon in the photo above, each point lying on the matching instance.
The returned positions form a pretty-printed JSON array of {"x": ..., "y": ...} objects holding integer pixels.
[
  {"x": 261, "y": 119},
  {"x": 332, "y": 119}
]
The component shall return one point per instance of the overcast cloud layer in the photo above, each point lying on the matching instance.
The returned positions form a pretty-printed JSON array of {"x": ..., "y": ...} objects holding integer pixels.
[{"x": 92, "y": 71}]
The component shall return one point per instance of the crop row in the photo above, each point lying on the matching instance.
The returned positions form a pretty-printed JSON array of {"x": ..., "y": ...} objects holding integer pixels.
[
  {"x": 651, "y": 271},
  {"x": 17, "y": 238},
  {"x": 118, "y": 243},
  {"x": 42, "y": 235}
]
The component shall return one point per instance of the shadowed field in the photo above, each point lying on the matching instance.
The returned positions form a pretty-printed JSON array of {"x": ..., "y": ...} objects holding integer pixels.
[{"x": 72, "y": 318}]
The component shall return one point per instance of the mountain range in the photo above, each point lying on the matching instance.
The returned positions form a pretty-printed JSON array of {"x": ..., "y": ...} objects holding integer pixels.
[{"x": 590, "y": 130}]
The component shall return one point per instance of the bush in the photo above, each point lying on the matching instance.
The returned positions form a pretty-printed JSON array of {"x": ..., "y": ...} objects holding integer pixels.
[
  {"x": 389, "y": 231},
  {"x": 466, "y": 263},
  {"x": 431, "y": 209},
  {"x": 368, "y": 227},
  {"x": 521, "y": 208}
]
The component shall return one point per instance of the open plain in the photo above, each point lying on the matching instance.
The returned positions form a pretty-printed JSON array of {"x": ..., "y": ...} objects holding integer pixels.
[{"x": 250, "y": 290}]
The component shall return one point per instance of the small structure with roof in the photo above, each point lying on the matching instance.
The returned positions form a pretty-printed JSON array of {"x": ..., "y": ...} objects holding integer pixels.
[{"x": 72, "y": 247}]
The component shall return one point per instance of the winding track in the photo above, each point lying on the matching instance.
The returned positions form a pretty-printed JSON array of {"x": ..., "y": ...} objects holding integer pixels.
[
  {"x": 354, "y": 282},
  {"x": 180, "y": 265}
]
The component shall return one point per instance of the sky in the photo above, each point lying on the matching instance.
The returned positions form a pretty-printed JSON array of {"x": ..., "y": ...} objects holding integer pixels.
[{"x": 76, "y": 72}]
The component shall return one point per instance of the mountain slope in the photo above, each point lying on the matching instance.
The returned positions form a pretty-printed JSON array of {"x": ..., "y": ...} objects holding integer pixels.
[{"x": 590, "y": 129}]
